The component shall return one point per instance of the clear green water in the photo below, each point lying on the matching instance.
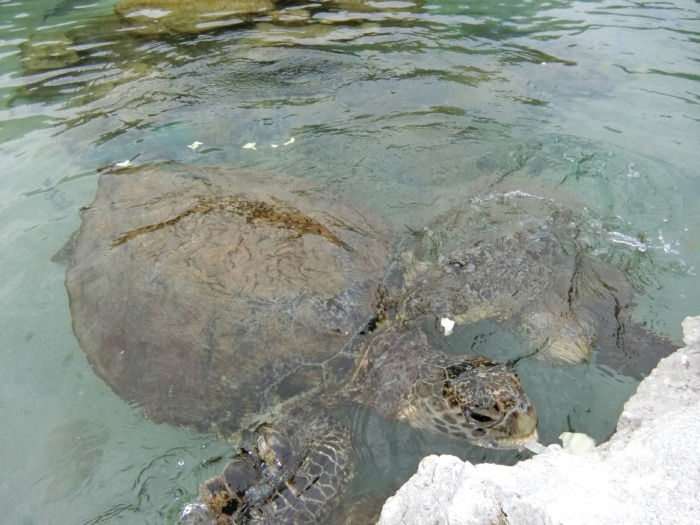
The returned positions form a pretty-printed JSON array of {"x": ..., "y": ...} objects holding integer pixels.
[{"x": 595, "y": 103}]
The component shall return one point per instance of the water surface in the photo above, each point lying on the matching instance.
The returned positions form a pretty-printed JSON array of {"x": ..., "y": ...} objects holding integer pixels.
[{"x": 411, "y": 108}]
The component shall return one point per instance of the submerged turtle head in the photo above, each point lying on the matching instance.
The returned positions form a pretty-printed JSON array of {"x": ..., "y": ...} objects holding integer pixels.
[
  {"x": 476, "y": 399},
  {"x": 401, "y": 376}
]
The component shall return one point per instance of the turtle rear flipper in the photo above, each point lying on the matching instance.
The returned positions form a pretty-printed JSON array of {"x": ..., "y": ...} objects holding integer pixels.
[
  {"x": 64, "y": 254},
  {"x": 294, "y": 470}
]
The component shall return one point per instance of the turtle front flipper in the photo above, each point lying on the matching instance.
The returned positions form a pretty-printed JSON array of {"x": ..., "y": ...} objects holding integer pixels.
[
  {"x": 570, "y": 336},
  {"x": 629, "y": 347},
  {"x": 558, "y": 335},
  {"x": 293, "y": 470}
]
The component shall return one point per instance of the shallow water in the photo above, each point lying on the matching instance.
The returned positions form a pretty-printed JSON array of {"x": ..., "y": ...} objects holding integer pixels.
[{"x": 595, "y": 104}]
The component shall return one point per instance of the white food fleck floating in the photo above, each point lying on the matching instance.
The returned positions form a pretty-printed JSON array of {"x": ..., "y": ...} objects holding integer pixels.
[
  {"x": 290, "y": 141},
  {"x": 250, "y": 145},
  {"x": 194, "y": 145},
  {"x": 274, "y": 145},
  {"x": 447, "y": 324},
  {"x": 576, "y": 442},
  {"x": 124, "y": 164}
]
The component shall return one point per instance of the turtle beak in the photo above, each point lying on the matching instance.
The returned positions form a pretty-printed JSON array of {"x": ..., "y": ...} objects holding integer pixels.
[{"x": 522, "y": 429}]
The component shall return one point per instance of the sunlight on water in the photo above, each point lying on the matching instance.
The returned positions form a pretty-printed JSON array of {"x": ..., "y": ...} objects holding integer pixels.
[{"x": 411, "y": 107}]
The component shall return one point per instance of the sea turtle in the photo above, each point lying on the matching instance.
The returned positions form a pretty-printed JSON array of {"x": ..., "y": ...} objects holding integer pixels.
[
  {"x": 536, "y": 265},
  {"x": 250, "y": 304}
]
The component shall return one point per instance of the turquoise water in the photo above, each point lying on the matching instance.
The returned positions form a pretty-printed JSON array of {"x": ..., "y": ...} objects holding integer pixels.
[{"x": 596, "y": 104}]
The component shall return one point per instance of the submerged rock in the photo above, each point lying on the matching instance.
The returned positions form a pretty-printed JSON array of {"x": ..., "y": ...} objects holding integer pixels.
[
  {"x": 48, "y": 51},
  {"x": 119, "y": 34},
  {"x": 648, "y": 472},
  {"x": 153, "y": 17}
]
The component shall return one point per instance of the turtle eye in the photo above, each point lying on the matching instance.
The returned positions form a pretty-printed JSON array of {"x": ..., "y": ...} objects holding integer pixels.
[{"x": 481, "y": 418}]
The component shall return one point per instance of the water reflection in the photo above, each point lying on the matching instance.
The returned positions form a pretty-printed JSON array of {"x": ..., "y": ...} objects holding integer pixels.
[
  {"x": 410, "y": 109},
  {"x": 72, "y": 453}
]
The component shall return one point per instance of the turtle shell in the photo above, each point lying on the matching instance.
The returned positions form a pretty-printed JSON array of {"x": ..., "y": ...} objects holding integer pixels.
[
  {"x": 208, "y": 295},
  {"x": 532, "y": 263},
  {"x": 491, "y": 257}
]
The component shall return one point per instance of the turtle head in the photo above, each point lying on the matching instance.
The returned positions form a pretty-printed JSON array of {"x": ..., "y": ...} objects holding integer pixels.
[{"x": 476, "y": 399}]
